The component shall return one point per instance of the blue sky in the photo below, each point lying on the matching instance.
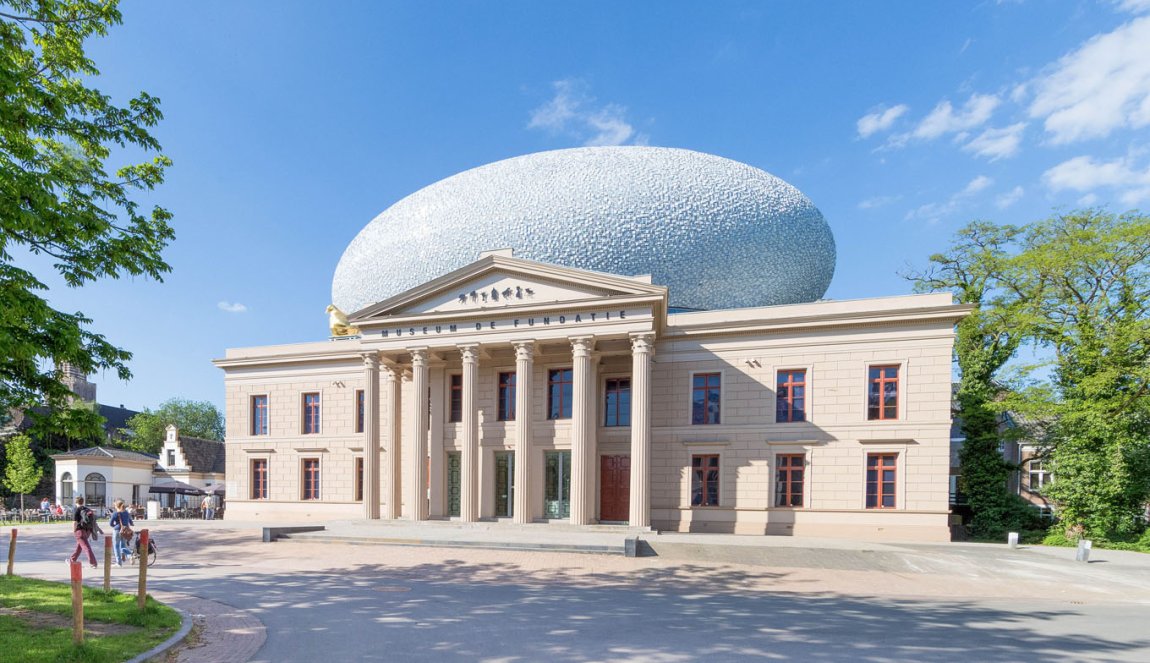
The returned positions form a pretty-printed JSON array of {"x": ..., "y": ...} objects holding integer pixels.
[{"x": 293, "y": 124}]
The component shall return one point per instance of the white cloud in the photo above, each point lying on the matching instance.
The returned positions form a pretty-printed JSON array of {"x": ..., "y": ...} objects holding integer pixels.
[
  {"x": 1009, "y": 198},
  {"x": 932, "y": 213},
  {"x": 574, "y": 112},
  {"x": 1101, "y": 87},
  {"x": 979, "y": 183},
  {"x": 1085, "y": 174},
  {"x": 878, "y": 201},
  {"x": 1133, "y": 6},
  {"x": 944, "y": 119},
  {"x": 232, "y": 307},
  {"x": 881, "y": 120},
  {"x": 997, "y": 144}
]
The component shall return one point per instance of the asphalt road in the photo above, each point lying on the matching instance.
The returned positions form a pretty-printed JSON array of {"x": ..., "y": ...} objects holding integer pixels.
[{"x": 324, "y": 602}]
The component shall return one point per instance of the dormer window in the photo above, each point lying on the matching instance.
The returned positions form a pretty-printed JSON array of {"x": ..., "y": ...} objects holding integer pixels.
[{"x": 171, "y": 457}]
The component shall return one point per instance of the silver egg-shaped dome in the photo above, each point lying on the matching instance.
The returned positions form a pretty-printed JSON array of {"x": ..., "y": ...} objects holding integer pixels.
[{"x": 716, "y": 232}]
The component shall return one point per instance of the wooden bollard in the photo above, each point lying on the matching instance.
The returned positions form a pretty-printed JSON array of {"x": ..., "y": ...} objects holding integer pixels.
[
  {"x": 12, "y": 553},
  {"x": 142, "y": 590},
  {"x": 77, "y": 603},
  {"x": 108, "y": 562}
]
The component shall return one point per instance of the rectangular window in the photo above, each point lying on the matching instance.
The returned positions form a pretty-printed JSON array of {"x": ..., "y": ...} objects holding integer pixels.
[
  {"x": 618, "y": 402},
  {"x": 455, "y": 413},
  {"x": 310, "y": 481},
  {"x": 360, "y": 408},
  {"x": 791, "y": 396},
  {"x": 557, "y": 484},
  {"x": 506, "y": 397},
  {"x": 171, "y": 458},
  {"x": 311, "y": 413},
  {"x": 259, "y": 479},
  {"x": 1037, "y": 475},
  {"x": 358, "y": 479},
  {"x": 881, "y": 471},
  {"x": 789, "y": 479},
  {"x": 705, "y": 480},
  {"x": 882, "y": 397},
  {"x": 705, "y": 402},
  {"x": 559, "y": 393},
  {"x": 259, "y": 415}
]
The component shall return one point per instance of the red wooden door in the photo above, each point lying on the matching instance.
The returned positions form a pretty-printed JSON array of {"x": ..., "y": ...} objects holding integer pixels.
[{"x": 614, "y": 488}]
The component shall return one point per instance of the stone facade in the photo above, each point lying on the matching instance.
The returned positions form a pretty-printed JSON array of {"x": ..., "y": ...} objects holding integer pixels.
[{"x": 599, "y": 328}]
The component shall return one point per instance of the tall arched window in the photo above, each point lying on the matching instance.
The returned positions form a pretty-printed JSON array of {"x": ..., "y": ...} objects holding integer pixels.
[
  {"x": 95, "y": 489},
  {"x": 67, "y": 489}
]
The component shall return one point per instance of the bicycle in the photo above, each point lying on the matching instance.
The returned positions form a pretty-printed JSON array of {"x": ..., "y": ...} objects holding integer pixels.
[{"x": 135, "y": 556}]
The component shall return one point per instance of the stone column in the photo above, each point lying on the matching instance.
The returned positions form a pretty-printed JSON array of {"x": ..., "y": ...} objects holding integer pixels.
[
  {"x": 524, "y": 362},
  {"x": 417, "y": 453},
  {"x": 469, "y": 467},
  {"x": 392, "y": 441},
  {"x": 642, "y": 349},
  {"x": 436, "y": 457},
  {"x": 371, "y": 436},
  {"x": 582, "y": 429}
]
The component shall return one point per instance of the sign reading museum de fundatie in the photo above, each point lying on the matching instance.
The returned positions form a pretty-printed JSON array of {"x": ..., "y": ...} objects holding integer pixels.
[{"x": 513, "y": 323}]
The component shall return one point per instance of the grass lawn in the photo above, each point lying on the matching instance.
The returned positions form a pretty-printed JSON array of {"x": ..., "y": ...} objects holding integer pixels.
[{"x": 36, "y": 623}]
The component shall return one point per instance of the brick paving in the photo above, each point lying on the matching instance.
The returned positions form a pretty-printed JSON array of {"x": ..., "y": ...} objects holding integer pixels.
[{"x": 226, "y": 634}]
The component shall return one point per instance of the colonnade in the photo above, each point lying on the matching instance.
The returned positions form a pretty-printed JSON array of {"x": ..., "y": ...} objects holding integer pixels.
[{"x": 385, "y": 455}]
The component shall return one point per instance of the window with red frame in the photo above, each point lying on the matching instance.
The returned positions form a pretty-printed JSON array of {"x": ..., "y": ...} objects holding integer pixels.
[
  {"x": 705, "y": 398},
  {"x": 881, "y": 475},
  {"x": 789, "y": 479},
  {"x": 506, "y": 408},
  {"x": 358, "y": 479},
  {"x": 311, "y": 413},
  {"x": 310, "y": 479},
  {"x": 259, "y": 415},
  {"x": 705, "y": 480},
  {"x": 882, "y": 396},
  {"x": 259, "y": 479},
  {"x": 617, "y": 405},
  {"x": 791, "y": 396},
  {"x": 455, "y": 408},
  {"x": 559, "y": 393},
  {"x": 360, "y": 408}
]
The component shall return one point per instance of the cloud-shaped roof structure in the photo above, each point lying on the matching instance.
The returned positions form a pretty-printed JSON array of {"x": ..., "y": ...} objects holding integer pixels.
[{"x": 716, "y": 232}]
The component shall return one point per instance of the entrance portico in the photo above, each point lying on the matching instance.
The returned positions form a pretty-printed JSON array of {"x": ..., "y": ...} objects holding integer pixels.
[{"x": 545, "y": 329}]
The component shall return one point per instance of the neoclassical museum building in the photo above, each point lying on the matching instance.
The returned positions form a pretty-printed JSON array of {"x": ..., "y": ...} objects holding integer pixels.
[{"x": 626, "y": 335}]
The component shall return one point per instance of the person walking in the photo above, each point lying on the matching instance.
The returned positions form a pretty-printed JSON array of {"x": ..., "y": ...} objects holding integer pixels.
[
  {"x": 122, "y": 527},
  {"x": 208, "y": 507},
  {"x": 83, "y": 527}
]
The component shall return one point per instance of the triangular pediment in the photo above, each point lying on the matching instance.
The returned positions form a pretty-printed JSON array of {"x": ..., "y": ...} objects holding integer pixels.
[{"x": 498, "y": 282}]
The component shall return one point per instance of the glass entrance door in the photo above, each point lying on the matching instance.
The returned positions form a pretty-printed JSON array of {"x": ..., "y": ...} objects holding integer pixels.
[
  {"x": 504, "y": 484},
  {"x": 454, "y": 483},
  {"x": 557, "y": 485}
]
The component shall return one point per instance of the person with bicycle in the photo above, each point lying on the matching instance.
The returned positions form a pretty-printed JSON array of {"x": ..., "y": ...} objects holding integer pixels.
[{"x": 122, "y": 525}]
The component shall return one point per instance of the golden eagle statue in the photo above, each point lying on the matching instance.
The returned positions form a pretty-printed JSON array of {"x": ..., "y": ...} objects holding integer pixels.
[{"x": 337, "y": 320}]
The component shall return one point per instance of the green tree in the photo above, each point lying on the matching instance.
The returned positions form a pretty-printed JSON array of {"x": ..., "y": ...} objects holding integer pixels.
[
  {"x": 64, "y": 196},
  {"x": 1086, "y": 280},
  {"x": 21, "y": 472},
  {"x": 973, "y": 269},
  {"x": 146, "y": 430}
]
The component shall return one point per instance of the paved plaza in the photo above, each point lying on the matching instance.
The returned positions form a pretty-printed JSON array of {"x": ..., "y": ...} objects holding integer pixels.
[{"x": 703, "y": 597}]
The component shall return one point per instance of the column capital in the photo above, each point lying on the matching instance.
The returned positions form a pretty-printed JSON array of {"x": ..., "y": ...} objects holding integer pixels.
[
  {"x": 581, "y": 346},
  {"x": 371, "y": 360},
  {"x": 643, "y": 342},
  {"x": 390, "y": 371},
  {"x": 418, "y": 356},
  {"x": 524, "y": 350},
  {"x": 469, "y": 352}
]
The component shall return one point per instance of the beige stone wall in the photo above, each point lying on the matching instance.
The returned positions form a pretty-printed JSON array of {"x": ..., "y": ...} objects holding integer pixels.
[
  {"x": 835, "y": 439},
  {"x": 285, "y": 447}
]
